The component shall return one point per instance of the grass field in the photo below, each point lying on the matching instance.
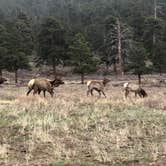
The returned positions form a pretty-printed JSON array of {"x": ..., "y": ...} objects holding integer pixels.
[{"x": 72, "y": 129}]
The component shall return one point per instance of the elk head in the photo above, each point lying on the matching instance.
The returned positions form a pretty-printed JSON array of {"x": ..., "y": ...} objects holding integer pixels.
[{"x": 56, "y": 82}]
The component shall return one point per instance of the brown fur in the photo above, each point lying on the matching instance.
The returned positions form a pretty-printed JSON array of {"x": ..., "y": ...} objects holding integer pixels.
[
  {"x": 135, "y": 89},
  {"x": 43, "y": 84},
  {"x": 97, "y": 85}
]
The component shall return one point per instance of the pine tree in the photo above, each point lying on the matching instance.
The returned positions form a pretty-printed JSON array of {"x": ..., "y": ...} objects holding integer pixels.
[
  {"x": 19, "y": 44},
  {"x": 51, "y": 41},
  {"x": 117, "y": 42},
  {"x": 137, "y": 60},
  {"x": 81, "y": 56},
  {"x": 153, "y": 37},
  {"x": 159, "y": 60},
  {"x": 16, "y": 62},
  {"x": 3, "y": 53},
  {"x": 3, "y": 48}
]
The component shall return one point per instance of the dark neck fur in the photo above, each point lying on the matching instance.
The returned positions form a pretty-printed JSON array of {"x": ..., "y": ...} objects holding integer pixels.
[{"x": 105, "y": 82}]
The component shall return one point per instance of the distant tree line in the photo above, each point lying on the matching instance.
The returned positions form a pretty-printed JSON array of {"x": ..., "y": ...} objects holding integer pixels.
[{"x": 129, "y": 35}]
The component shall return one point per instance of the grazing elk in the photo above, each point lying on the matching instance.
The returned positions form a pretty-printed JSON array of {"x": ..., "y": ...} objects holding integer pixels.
[
  {"x": 43, "y": 84},
  {"x": 135, "y": 89},
  {"x": 97, "y": 85},
  {"x": 2, "y": 80}
]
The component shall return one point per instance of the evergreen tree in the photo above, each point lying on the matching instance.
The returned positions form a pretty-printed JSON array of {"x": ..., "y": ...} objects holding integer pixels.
[
  {"x": 153, "y": 33},
  {"x": 137, "y": 60},
  {"x": 19, "y": 44},
  {"x": 135, "y": 17},
  {"x": 3, "y": 47},
  {"x": 15, "y": 62},
  {"x": 153, "y": 37},
  {"x": 81, "y": 56},
  {"x": 51, "y": 41},
  {"x": 111, "y": 37},
  {"x": 159, "y": 60},
  {"x": 3, "y": 53},
  {"x": 117, "y": 42}
]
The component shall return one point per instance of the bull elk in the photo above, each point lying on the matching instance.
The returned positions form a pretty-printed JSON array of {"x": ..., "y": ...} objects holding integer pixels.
[
  {"x": 43, "y": 84},
  {"x": 135, "y": 89},
  {"x": 97, "y": 85}
]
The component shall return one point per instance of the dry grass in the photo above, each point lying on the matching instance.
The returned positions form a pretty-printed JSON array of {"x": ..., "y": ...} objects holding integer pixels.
[{"x": 73, "y": 129}]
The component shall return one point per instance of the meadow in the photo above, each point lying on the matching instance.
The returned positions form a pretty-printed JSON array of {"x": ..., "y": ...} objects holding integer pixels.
[{"x": 72, "y": 129}]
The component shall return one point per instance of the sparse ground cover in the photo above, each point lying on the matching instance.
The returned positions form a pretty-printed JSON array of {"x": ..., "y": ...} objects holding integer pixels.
[{"x": 72, "y": 129}]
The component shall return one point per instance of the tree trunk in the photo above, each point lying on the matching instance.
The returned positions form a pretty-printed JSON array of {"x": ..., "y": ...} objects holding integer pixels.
[
  {"x": 154, "y": 35},
  {"x": 155, "y": 9},
  {"x": 107, "y": 69},
  {"x": 139, "y": 79},
  {"x": 0, "y": 73},
  {"x": 82, "y": 78},
  {"x": 115, "y": 68},
  {"x": 54, "y": 69},
  {"x": 160, "y": 71},
  {"x": 16, "y": 76},
  {"x": 120, "y": 48}
]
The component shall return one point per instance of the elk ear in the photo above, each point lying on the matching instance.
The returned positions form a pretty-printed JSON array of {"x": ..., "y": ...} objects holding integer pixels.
[{"x": 52, "y": 82}]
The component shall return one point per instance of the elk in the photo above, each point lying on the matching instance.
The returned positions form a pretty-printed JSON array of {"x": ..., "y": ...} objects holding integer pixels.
[
  {"x": 43, "y": 84},
  {"x": 135, "y": 89},
  {"x": 97, "y": 85}
]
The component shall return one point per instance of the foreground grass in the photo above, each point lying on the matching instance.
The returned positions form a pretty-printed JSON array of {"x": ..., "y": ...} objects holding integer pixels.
[{"x": 73, "y": 129}]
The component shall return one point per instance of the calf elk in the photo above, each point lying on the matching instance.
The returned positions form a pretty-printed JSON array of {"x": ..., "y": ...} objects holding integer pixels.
[
  {"x": 43, "y": 84},
  {"x": 97, "y": 85},
  {"x": 135, "y": 89}
]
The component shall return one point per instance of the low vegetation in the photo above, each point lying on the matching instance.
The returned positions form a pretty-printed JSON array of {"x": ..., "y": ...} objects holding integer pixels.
[{"x": 73, "y": 129}]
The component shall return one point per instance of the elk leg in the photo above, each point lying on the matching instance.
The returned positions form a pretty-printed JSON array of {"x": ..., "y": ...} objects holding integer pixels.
[
  {"x": 99, "y": 93},
  {"x": 91, "y": 92},
  {"x": 35, "y": 90},
  {"x": 126, "y": 93},
  {"x": 103, "y": 94},
  {"x": 44, "y": 93},
  {"x": 29, "y": 91},
  {"x": 140, "y": 95},
  {"x": 88, "y": 92},
  {"x": 39, "y": 91},
  {"x": 51, "y": 93}
]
